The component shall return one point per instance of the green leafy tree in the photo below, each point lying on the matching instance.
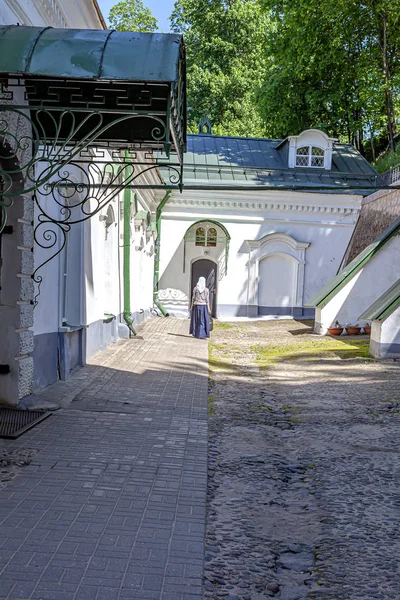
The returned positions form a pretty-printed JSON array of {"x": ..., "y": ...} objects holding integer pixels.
[
  {"x": 226, "y": 62},
  {"x": 132, "y": 15},
  {"x": 335, "y": 66}
]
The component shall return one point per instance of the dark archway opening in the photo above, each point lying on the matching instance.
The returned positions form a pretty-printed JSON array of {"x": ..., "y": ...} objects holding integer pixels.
[{"x": 208, "y": 269}]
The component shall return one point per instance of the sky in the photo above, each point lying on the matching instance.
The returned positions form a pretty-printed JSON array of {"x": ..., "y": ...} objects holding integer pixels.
[{"x": 161, "y": 10}]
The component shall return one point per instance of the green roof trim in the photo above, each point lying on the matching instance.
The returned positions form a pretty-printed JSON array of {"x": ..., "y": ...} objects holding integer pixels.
[
  {"x": 384, "y": 306},
  {"x": 336, "y": 284}
]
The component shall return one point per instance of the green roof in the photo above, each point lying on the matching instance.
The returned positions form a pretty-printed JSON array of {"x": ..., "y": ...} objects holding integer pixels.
[
  {"x": 89, "y": 54},
  {"x": 213, "y": 161},
  {"x": 384, "y": 306},
  {"x": 334, "y": 286}
]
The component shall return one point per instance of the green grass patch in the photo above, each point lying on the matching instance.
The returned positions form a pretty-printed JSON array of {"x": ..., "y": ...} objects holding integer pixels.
[
  {"x": 272, "y": 353},
  {"x": 388, "y": 159},
  {"x": 215, "y": 359},
  {"x": 219, "y": 325},
  {"x": 211, "y": 405}
]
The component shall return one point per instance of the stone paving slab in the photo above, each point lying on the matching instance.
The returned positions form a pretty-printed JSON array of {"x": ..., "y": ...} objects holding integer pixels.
[{"x": 112, "y": 506}]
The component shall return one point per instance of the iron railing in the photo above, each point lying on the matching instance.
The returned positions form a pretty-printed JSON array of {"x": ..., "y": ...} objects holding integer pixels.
[{"x": 390, "y": 177}]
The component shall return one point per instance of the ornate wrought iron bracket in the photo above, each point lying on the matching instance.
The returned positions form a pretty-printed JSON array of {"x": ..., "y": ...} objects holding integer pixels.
[{"x": 69, "y": 167}]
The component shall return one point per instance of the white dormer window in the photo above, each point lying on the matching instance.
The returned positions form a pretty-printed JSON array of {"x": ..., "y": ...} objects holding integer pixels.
[
  {"x": 311, "y": 148},
  {"x": 310, "y": 156}
]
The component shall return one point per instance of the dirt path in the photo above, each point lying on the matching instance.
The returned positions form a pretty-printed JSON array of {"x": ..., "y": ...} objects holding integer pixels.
[{"x": 304, "y": 467}]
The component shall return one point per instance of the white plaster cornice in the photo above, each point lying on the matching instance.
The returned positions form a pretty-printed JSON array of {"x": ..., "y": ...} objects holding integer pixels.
[
  {"x": 21, "y": 15},
  {"x": 51, "y": 13},
  {"x": 228, "y": 218},
  {"x": 263, "y": 205}
]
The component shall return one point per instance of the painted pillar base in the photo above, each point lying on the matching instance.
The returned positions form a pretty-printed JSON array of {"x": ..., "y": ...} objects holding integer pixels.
[
  {"x": 123, "y": 331},
  {"x": 71, "y": 351}
]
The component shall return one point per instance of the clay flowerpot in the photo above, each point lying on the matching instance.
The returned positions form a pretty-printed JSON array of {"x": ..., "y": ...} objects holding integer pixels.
[
  {"x": 335, "y": 330},
  {"x": 353, "y": 330},
  {"x": 367, "y": 329}
]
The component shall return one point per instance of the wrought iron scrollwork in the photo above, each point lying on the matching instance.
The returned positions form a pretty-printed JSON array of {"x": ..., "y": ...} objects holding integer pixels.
[
  {"x": 42, "y": 145},
  {"x": 57, "y": 142},
  {"x": 80, "y": 190}
]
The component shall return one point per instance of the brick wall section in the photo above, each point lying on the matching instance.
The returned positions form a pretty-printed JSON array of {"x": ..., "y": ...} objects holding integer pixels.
[{"x": 378, "y": 211}]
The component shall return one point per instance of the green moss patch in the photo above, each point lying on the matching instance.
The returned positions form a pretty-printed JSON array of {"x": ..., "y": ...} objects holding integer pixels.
[{"x": 326, "y": 348}]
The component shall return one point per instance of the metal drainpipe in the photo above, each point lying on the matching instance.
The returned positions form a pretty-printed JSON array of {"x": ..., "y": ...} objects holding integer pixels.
[
  {"x": 157, "y": 254},
  {"x": 127, "y": 255}
]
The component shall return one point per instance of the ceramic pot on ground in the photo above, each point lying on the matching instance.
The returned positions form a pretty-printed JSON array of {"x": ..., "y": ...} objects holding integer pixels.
[
  {"x": 353, "y": 330},
  {"x": 335, "y": 331}
]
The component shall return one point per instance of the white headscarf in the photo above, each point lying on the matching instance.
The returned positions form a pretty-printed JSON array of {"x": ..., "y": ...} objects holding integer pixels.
[{"x": 201, "y": 284}]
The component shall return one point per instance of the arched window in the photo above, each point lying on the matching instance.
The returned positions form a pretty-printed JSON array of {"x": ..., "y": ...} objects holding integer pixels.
[
  {"x": 310, "y": 156},
  {"x": 212, "y": 237},
  {"x": 200, "y": 236}
]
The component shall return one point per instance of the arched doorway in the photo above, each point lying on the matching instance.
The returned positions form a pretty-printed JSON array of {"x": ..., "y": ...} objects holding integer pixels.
[{"x": 208, "y": 269}]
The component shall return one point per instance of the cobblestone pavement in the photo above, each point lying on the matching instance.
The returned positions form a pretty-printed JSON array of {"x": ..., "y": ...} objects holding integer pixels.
[
  {"x": 304, "y": 467},
  {"x": 106, "y": 499}
]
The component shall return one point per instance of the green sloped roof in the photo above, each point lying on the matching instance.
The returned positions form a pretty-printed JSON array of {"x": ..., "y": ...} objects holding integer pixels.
[
  {"x": 385, "y": 305},
  {"x": 213, "y": 160},
  {"x": 89, "y": 54},
  {"x": 336, "y": 284}
]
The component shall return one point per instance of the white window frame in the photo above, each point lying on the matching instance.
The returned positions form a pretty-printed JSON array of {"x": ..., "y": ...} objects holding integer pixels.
[{"x": 310, "y": 156}]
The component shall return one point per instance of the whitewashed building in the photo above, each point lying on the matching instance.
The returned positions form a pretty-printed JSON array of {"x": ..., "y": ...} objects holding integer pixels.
[
  {"x": 267, "y": 222},
  {"x": 79, "y": 245}
]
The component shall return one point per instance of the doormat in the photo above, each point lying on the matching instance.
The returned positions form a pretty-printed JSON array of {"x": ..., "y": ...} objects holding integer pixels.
[{"x": 15, "y": 421}]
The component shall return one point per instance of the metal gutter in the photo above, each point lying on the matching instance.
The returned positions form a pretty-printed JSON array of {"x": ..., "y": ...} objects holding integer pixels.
[
  {"x": 157, "y": 253},
  {"x": 127, "y": 254},
  {"x": 363, "y": 191}
]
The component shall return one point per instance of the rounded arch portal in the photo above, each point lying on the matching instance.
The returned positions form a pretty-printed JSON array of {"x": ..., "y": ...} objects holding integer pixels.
[{"x": 213, "y": 237}]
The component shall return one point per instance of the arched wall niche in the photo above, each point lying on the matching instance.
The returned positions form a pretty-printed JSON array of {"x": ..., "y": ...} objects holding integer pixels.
[{"x": 275, "y": 274}]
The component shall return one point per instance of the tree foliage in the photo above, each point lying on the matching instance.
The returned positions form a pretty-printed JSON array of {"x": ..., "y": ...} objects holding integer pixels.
[
  {"x": 276, "y": 67},
  {"x": 226, "y": 60},
  {"x": 335, "y": 65},
  {"x": 132, "y": 15}
]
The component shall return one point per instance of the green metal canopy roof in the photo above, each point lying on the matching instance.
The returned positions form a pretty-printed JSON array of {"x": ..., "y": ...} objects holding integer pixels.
[
  {"x": 134, "y": 84},
  {"x": 89, "y": 54},
  {"x": 384, "y": 306},
  {"x": 334, "y": 286}
]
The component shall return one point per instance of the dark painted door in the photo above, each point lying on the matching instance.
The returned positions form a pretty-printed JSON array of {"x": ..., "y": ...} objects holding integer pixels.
[{"x": 208, "y": 269}]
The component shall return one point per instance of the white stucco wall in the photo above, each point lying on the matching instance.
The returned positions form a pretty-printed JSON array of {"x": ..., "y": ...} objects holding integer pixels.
[
  {"x": 391, "y": 331},
  {"x": 379, "y": 273},
  {"x": 324, "y": 221},
  {"x": 385, "y": 337}
]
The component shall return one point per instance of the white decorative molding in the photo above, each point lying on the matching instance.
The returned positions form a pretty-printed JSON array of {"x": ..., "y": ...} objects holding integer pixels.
[
  {"x": 51, "y": 13},
  {"x": 173, "y": 295},
  {"x": 270, "y": 206},
  {"x": 21, "y": 16},
  {"x": 276, "y": 244}
]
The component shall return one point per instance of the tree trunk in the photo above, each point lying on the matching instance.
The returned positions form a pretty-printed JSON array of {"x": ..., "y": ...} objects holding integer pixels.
[
  {"x": 389, "y": 108},
  {"x": 372, "y": 143}
]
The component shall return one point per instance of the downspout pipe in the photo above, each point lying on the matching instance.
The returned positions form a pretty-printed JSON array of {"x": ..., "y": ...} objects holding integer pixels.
[
  {"x": 157, "y": 254},
  {"x": 127, "y": 255}
]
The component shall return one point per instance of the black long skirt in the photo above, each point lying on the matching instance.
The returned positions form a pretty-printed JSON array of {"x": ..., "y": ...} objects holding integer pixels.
[{"x": 200, "y": 322}]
